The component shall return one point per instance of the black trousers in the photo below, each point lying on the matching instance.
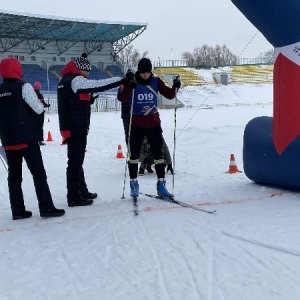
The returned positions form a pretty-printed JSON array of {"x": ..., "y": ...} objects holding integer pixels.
[
  {"x": 33, "y": 157},
  {"x": 154, "y": 136},
  {"x": 42, "y": 121},
  {"x": 75, "y": 175},
  {"x": 126, "y": 128}
]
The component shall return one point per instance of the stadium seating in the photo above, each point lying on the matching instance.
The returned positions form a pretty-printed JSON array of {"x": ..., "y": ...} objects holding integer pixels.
[
  {"x": 114, "y": 71},
  {"x": 255, "y": 74},
  {"x": 34, "y": 72},
  {"x": 251, "y": 74},
  {"x": 56, "y": 68},
  {"x": 187, "y": 77},
  {"x": 97, "y": 74}
]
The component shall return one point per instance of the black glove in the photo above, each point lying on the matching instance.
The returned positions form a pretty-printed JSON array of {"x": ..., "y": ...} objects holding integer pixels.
[
  {"x": 133, "y": 83},
  {"x": 170, "y": 168},
  {"x": 45, "y": 103},
  {"x": 124, "y": 81},
  {"x": 129, "y": 75},
  {"x": 93, "y": 98},
  {"x": 176, "y": 82}
]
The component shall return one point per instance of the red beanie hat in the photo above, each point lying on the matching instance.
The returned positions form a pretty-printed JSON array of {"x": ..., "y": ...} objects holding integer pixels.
[{"x": 37, "y": 85}]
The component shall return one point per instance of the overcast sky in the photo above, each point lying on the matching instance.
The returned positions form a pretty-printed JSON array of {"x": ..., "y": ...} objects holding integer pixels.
[{"x": 173, "y": 26}]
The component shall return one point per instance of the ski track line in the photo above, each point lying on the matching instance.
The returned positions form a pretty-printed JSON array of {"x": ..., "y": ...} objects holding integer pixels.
[
  {"x": 189, "y": 270},
  {"x": 172, "y": 207},
  {"x": 210, "y": 269},
  {"x": 108, "y": 232},
  {"x": 194, "y": 280},
  {"x": 128, "y": 280},
  {"x": 78, "y": 286},
  {"x": 263, "y": 245},
  {"x": 210, "y": 275},
  {"x": 62, "y": 220},
  {"x": 164, "y": 207},
  {"x": 161, "y": 276},
  {"x": 271, "y": 273}
]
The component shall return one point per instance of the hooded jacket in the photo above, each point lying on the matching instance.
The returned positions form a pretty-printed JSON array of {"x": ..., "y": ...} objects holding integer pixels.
[
  {"x": 73, "y": 96},
  {"x": 19, "y": 122}
]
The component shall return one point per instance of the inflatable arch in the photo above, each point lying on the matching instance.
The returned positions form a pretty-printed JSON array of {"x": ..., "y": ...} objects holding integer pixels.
[{"x": 271, "y": 151}]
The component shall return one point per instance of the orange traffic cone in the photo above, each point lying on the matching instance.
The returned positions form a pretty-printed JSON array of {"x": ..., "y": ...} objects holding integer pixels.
[
  {"x": 120, "y": 153},
  {"x": 49, "y": 139},
  {"x": 232, "y": 166}
]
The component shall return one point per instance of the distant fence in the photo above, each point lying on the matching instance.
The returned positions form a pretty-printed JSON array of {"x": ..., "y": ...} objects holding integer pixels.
[
  {"x": 101, "y": 104},
  {"x": 182, "y": 63}
]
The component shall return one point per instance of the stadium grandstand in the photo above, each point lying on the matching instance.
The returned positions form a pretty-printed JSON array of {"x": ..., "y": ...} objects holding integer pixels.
[{"x": 44, "y": 44}]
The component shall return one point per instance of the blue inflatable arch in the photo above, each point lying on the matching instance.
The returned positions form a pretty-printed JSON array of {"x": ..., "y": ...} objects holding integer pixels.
[{"x": 271, "y": 152}]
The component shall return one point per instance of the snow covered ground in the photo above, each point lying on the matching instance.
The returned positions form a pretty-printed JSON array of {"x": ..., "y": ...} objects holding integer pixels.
[{"x": 248, "y": 250}]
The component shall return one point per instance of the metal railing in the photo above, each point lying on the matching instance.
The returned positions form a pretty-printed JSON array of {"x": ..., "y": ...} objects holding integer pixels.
[
  {"x": 105, "y": 103},
  {"x": 183, "y": 63}
]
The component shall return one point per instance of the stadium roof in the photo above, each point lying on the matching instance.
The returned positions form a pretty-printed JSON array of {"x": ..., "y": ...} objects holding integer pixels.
[{"x": 39, "y": 30}]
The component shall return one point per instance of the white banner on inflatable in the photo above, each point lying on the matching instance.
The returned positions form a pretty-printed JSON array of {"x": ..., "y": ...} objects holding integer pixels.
[{"x": 292, "y": 52}]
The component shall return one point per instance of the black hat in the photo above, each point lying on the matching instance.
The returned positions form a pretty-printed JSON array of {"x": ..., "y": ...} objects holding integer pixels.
[
  {"x": 144, "y": 65},
  {"x": 83, "y": 63}
]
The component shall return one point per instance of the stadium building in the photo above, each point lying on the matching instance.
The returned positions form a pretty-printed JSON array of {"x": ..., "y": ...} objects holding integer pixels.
[{"x": 44, "y": 44}]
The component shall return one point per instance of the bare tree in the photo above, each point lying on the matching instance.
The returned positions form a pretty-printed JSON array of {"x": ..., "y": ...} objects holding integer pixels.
[
  {"x": 210, "y": 56},
  {"x": 131, "y": 56},
  {"x": 269, "y": 56},
  {"x": 189, "y": 58}
]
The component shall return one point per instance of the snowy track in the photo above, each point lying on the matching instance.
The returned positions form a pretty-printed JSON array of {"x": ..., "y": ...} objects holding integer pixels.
[{"x": 248, "y": 250}]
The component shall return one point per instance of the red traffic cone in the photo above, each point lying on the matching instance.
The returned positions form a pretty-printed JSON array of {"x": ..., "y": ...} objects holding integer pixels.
[
  {"x": 232, "y": 166},
  {"x": 49, "y": 139},
  {"x": 119, "y": 152}
]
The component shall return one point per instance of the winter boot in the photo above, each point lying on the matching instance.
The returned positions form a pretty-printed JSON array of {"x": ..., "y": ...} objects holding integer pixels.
[
  {"x": 84, "y": 189},
  {"x": 149, "y": 169},
  {"x": 88, "y": 195},
  {"x": 54, "y": 212},
  {"x": 134, "y": 188},
  {"x": 78, "y": 200},
  {"x": 42, "y": 143},
  {"x": 24, "y": 215},
  {"x": 162, "y": 190},
  {"x": 141, "y": 171}
]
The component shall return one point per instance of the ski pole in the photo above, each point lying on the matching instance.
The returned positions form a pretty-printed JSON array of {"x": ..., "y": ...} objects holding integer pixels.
[
  {"x": 174, "y": 138},
  {"x": 128, "y": 144}
]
